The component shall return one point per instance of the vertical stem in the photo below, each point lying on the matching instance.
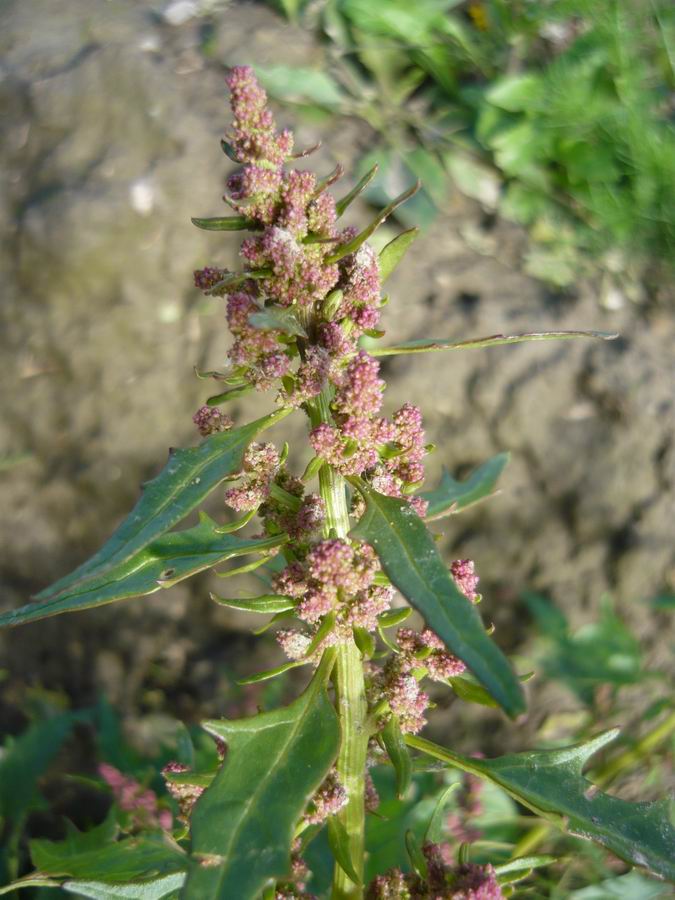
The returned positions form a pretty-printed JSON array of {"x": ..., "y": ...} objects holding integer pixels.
[{"x": 350, "y": 692}]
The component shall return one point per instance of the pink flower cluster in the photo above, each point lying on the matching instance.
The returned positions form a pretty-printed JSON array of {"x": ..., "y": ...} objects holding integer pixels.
[
  {"x": 261, "y": 464},
  {"x": 258, "y": 351},
  {"x": 131, "y": 797},
  {"x": 336, "y": 574},
  {"x": 466, "y": 881},
  {"x": 298, "y": 516},
  {"x": 328, "y": 800},
  {"x": 186, "y": 795},
  {"x": 398, "y": 682},
  {"x": 464, "y": 573},
  {"x": 209, "y": 420}
]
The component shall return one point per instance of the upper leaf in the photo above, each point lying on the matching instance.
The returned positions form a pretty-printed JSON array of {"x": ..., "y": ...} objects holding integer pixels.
[
  {"x": 412, "y": 563},
  {"x": 188, "y": 477},
  {"x": 550, "y": 783},
  {"x": 430, "y": 345},
  {"x": 165, "y": 888},
  {"x": 452, "y": 496},
  {"x": 162, "y": 563},
  {"x": 242, "y": 826},
  {"x": 393, "y": 252}
]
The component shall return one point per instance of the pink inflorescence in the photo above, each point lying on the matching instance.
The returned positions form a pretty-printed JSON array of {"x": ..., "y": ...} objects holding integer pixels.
[
  {"x": 328, "y": 800},
  {"x": 131, "y": 797},
  {"x": 398, "y": 682},
  {"x": 209, "y": 420},
  {"x": 186, "y": 795},
  {"x": 261, "y": 464},
  {"x": 463, "y": 571}
]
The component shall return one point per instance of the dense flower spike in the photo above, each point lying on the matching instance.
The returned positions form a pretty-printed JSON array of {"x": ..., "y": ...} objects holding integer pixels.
[
  {"x": 463, "y": 571},
  {"x": 210, "y": 420}
]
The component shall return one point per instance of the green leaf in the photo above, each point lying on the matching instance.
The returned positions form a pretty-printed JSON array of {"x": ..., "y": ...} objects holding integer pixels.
[
  {"x": 189, "y": 477},
  {"x": 272, "y": 673},
  {"x": 167, "y": 888},
  {"x": 338, "y": 840},
  {"x": 230, "y": 394},
  {"x": 27, "y": 758},
  {"x": 353, "y": 245},
  {"x": 517, "y": 869},
  {"x": 474, "y": 179},
  {"x": 393, "y": 252},
  {"x": 277, "y": 319},
  {"x": 242, "y": 826},
  {"x": 429, "y": 345},
  {"x": 551, "y": 784},
  {"x": 471, "y": 692},
  {"x": 300, "y": 84},
  {"x": 632, "y": 886},
  {"x": 452, "y": 496},
  {"x": 342, "y": 204},
  {"x": 516, "y": 92},
  {"x": 161, "y": 564},
  {"x": 267, "y": 603},
  {"x": 436, "y": 829},
  {"x": 398, "y": 754},
  {"x": 136, "y": 857},
  {"x": 226, "y": 223},
  {"x": 411, "y": 561}
]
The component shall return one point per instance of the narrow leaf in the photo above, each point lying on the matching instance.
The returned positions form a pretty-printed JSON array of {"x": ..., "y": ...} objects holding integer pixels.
[
  {"x": 231, "y": 394},
  {"x": 516, "y": 869},
  {"x": 277, "y": 319},
  {"x": 361, "y": 185},
  {"x": 353, "y": 245},
  {"x": 167, "y": 888},
  {"x": 267, "y": 603},
  {"x": 188, "y": 477},
  {"x": 411, "y": 560},
  {"x": 242, "y": 826},
  {"x": 471, "y": 692},
  {"x": 394, "y": 617},
  {"x": 162, "y": 563},
  {"x": 453, "y": 496},
  {"x": 436, "y": 828},
  {"x": 398, "y": 754},
  {"x": 227, "y": 223},
  {"x": 29, "y": 881},
  {"x": 551, "y": 784},
  {"x": 429, "y": 345},
  {"x": 272, "y": 673},
  {"x": 392, "y": 254},
  {"x": 338, "y": 840}
]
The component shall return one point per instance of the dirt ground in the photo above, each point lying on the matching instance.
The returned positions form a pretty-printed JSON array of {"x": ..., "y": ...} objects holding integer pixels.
[{"x": 111, "y": 118}]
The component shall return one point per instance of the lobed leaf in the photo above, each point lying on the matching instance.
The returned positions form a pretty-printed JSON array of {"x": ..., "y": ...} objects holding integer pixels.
[
  {"x": 393, "y": 252},
  {"x": 166, "y": 888},
  {"x": 161, "y": 564},
  {"x": 411, "y": 561},
  {"x": 186, "y": 480},
  {"x": 453, "y": 496},
  {"x": 551, "y": 784},
  {"x": 353, "y": 245},
  {"x": 242, "y": 825},
  {"x": 429, "y": 345}
]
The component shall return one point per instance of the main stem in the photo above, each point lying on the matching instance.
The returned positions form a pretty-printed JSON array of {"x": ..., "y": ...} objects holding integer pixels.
[{"x": 350, "y": 692}]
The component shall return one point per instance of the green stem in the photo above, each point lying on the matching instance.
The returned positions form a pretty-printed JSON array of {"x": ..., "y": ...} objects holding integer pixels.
[{"x": 350, "y": 692}]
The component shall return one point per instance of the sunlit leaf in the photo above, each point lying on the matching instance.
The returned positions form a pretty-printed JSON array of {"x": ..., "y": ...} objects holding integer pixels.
[
  {"x": 166, "y": 888},
  {"x": 393, "y": 252},
  {"x": 429, "y": 345},
  {"x": 551, "y": 784},
  {"x": 226, "y": 223},
  {"x": 188, "y": 477},
  {"x": 242, "y": 826},
  {"x": 267, "y": 603},
  {"x": 161, "y": 564},
  {"x": 300, "y": 84},
  {"x": 453, "y": 496},
  {"x": 28, "y": 882},
  {"x": 342, "y": 204},
  {"x": 411, "y": 560}
]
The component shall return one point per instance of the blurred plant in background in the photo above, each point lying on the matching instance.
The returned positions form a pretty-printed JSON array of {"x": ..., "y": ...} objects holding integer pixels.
[{"x": 556, "y": 115}]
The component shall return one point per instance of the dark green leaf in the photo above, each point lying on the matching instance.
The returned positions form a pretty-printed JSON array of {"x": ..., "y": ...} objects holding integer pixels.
[
  {"x": 166, "y": 888},
  {"x": 267, "y": 603},
  {"x": 551, "y": 784},
  {"x": 394, "y": 617},
  {"x": 353, "y": 245},
  {"x": 338, "y": 840},
  {"x": 411, "y": 560},
  {"x": 189, "y": 477},
  {"x": 25, "y": 760},
  {"x": 429, "y": 345},
  {"x": 398, "y": 754},
  {"x": 161, "y": 564},
  {"x": 145, "y": 856},
  {"x": 415, "y": 855},
  {"x": 393, "y": 252},
  {"x": 453, "y": 496},
  {"x": 277, "y": 319},
  {"x": 358, "y": 188},
  {"x": 242, "y": 826},
  {"x": 229, "y": 151},
  {"x": 227, "y": 223}
]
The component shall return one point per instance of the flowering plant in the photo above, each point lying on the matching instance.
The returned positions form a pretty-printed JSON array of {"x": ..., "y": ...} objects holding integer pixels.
[{"x": 334, "y": 557}]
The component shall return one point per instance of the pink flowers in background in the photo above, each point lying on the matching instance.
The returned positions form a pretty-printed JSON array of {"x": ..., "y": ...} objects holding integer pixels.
[{"x": 131, "y": 797}]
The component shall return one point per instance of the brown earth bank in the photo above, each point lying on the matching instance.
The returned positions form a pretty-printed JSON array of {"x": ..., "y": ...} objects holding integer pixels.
[{"x": 111, "y": 118}]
